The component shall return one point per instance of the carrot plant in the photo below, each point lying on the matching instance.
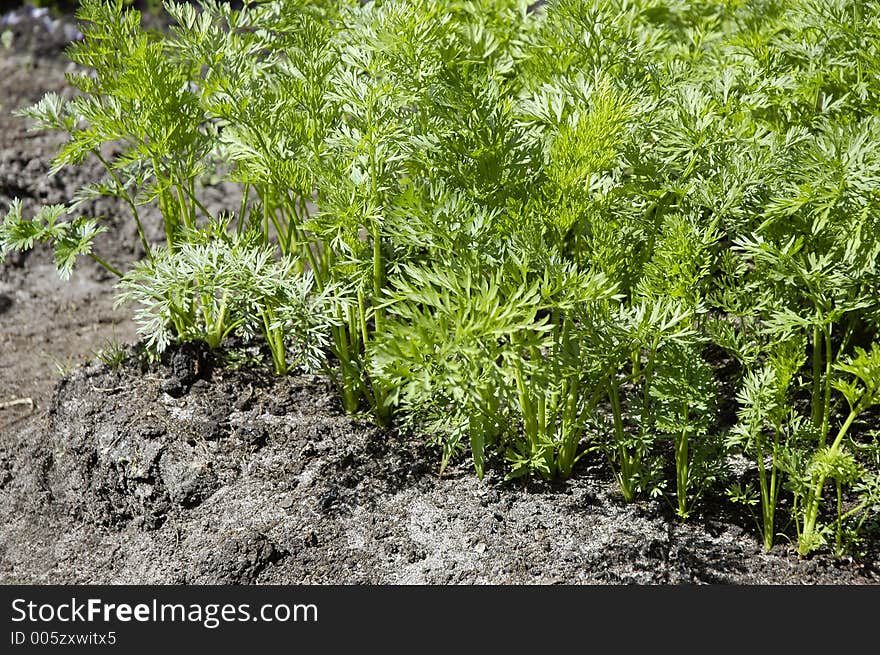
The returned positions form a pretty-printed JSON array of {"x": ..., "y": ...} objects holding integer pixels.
[
  {"x": 218, "y": 284},
  {"x": 485, "y": 351},
  {"x": 861, "y": 391},
  {"x": 767, "y": 431}
]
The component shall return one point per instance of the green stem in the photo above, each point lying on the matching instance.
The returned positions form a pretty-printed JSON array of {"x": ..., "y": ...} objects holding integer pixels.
[
  {"x": 814, "y": 494},
  {"x": 648, "y": 375},
  {"x": 265, "y": 194},
  {"x": 826, "y": 402},
  {"x": 846, "y": 425},
  {"x": 186, "y": 210},
  {"x": 838, "y": 532},
  {"x": 378, "y": 280},
  {"x": 280, "y": 231},
  {"x": 816, "y": 409},
  {"x": 569, "y": 428},
  {"x": 122, "y": 193},
  {"x": 350, "y": 394},
  {"x": 530, "y": 425},
  {"x": 294, "y": 233},
  {"x": 681, "y": 466},
  {"x": 218, "y": 324},
  {"x": 245, "y": 192},
  {"x": 362, "y": 317},
  {"x": 856, "y": 510},
  {"x": 770, "y": 509},
  {"x": 170, "y": 219},
  {"x": 847, "y": 337},
  {"x": 767, "y": 508},
  {"x": 195, "y": 202},
  {"x": 626, "y": 473},
  {"x": 105, "y": 264},
  {"x": 275, "y": 339}
]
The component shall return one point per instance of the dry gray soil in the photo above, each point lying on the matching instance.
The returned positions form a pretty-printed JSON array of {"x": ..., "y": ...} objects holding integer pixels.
[{"x": 193, "y": 471}]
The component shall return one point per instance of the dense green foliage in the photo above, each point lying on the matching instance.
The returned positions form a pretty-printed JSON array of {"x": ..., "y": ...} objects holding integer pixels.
[{"x": 527, "y": 232}]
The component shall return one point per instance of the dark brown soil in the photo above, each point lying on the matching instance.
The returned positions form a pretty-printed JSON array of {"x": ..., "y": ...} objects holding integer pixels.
[{"x": 191, "y": 471}]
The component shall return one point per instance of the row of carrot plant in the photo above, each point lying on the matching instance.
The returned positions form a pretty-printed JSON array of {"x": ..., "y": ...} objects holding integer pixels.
[{"x": 529, "y": 231}]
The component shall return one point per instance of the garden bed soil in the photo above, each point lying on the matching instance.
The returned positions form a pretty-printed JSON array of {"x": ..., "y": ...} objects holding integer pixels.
[{"x": 192, "y": 471}]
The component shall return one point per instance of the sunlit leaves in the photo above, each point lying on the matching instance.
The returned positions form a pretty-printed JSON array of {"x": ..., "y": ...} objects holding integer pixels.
[{"x": 70, "y": 239}]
